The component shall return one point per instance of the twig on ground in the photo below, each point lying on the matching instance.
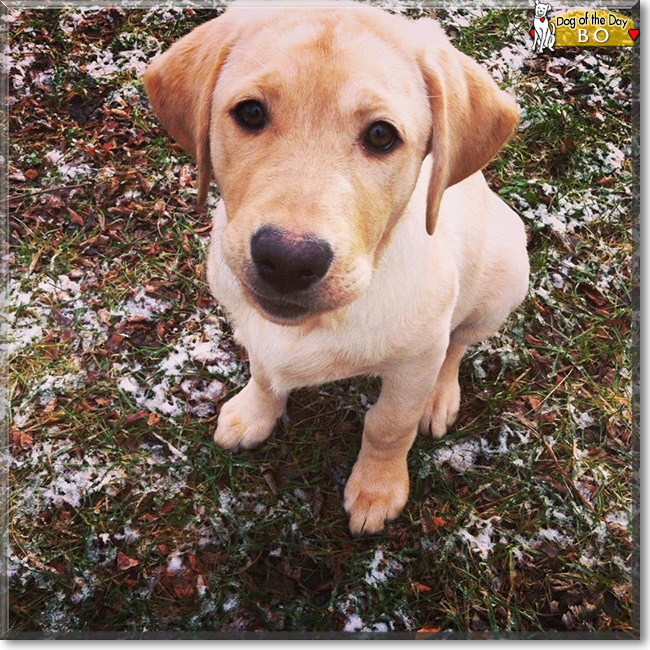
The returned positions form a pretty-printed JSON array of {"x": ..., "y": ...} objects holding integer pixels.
[
  {"x": 567, "y": 478},
  {"x": 176, "y": 452},
  {"x": 16, "y": 197}
]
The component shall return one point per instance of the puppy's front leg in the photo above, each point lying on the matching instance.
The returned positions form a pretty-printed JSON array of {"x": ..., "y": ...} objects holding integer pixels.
[
  {"x": 249, "y": 418},
  {"x": 379, "y": 484}
]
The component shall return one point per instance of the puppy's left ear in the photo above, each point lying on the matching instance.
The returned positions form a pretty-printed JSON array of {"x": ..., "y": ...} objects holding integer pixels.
[{"x": 471, "y": 116}]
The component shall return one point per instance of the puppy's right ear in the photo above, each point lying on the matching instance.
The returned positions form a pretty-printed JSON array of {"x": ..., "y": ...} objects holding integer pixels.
[{"x": 179, "y": 84}]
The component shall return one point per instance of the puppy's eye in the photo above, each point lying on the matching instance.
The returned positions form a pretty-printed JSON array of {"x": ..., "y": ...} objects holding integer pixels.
[
  {"x": 380, "y": 137},
  {"x": 250, "y": 114}
]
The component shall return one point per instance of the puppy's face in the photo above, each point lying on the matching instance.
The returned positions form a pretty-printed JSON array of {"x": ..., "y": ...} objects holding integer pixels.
[
  {"x": 315, "y": 123},
  {"x": 318, "y": 131},
  {"x": 541, "y": 9}
]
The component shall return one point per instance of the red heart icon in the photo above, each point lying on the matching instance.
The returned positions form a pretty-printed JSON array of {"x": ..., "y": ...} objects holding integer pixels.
[
  {"x": 633, "y": 33},
  {"x": 542, "y": 19},
  {"x": 532, "y": 33}
]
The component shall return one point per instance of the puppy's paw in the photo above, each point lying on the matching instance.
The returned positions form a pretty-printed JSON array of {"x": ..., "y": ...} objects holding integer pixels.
[
  {"x": 442, "y": 409},
  {"x": 243, "y": 423},
  {"x": 375, "y": 494}
]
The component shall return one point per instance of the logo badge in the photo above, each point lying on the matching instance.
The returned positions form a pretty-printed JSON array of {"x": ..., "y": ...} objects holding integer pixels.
[{"x": 580, "y": 28}]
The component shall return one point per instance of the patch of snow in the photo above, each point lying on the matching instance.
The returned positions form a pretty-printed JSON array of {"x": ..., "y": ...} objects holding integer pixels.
[
  {"x": 175, "y": 565},
  {"x": 620, "y": 517},
  {"x": 614, "y": 159},
  {"x": 552, "y": 535},
  {"x": 230, "y": 603},
  {"x": 381, "y": 569},
  {"x": 462, "y": 456},
  {"x": 142, "y": 306},
  {"x": 481, "y": 542}
]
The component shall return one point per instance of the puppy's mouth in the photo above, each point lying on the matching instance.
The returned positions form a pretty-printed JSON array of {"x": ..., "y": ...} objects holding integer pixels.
[{"x": 277, "y": 308}]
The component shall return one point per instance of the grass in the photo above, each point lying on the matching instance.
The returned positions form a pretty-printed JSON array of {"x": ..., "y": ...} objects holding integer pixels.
[{"x": 125, "y": 516}]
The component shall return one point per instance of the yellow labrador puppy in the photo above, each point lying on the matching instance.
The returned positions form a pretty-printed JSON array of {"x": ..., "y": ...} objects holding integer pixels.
[{"x": 356, "y": 233}]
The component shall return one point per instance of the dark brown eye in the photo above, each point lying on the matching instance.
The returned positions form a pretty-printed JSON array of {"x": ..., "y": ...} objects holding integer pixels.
[
  {"x": 250, "y": 114},
  {"x": 380, "y": 137}
]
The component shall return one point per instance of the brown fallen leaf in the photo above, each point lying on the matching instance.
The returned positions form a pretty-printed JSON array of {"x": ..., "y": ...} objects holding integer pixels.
[
  {"x": 168, "y": 507},
  {"x": 50, "y": 406},
  {"x": 104, "y": 315},
  {"x": 431, "y": 524},
  {"x": 124, "y": 562},
  {"x": 184, "y": 587},
  {"x": 59, "y": 567},
  {"x": 593, "y": 294},
  {"x": 144, "y": 183},
  {"x": 114, "y": 342},
  {"x": 419, "y": 588},
  {"x": 153, "y": 419},
  {"x": 185, "y": 177},
  {"x": 134, "y": 417},
  {"x": 75, "y": 218},
  {"x": 21, "y": 439}
]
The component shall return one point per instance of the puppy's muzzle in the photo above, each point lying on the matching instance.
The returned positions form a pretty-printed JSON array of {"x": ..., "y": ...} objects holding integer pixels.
[
  {"x": 286, "y": 270},
  {"x": 287, "y": 263}
]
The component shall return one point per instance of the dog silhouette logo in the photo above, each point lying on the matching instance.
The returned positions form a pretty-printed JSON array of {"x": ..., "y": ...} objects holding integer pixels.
[{"x": 544, "y": 31}]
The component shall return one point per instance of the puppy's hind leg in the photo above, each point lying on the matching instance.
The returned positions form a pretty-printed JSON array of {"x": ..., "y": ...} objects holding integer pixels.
[
  {"x": 444, "y": 400},
  {"x": 443, "y": 403}
]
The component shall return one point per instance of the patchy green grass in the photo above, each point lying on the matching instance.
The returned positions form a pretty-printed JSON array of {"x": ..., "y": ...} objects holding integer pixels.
[{"x": 124, "y": 516}]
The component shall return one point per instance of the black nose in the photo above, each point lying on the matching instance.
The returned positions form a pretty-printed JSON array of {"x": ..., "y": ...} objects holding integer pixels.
[{"x": 289, "y": 263}]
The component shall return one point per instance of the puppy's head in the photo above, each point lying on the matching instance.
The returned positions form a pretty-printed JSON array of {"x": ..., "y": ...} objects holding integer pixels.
[
  {"x": 315, "y": 123},
  {"x": 541, "y": 9}
]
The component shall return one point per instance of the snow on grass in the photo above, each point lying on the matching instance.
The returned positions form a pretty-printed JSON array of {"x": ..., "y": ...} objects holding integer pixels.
[
  {"x": 68, "y": 170},
  {"x": 172, "y": 387},
  {"x": 142, "y": 306},
  {"x": 63, "y": 477},
  {"x": 230, "y": 603},
  {"x": 71, "y": 21},
  {"x": 42, "y": 392},
  {"x": 104, "y": 65},
  {"x": 462, "y": 456},
  {"x": 462, "y": 17},
  {"x": 129, "y": 534},
  {"x": 570, "y": 214},
  {"x": 13, "y": 16},
  {"x": 479, "y": 542},
  {"x": 552, "y": 535},
  {"x": 28, "y": 314},
  {"x": 175, "y": 565},
  {"x": 62, "y": 473},
  {"x": 619, "y": 517},
  {"x": 506, "y": 64},
  {"x": 352, "y": 606},
  {"x": 381, "y": 569},
  {"x": 199, "y": 396}
]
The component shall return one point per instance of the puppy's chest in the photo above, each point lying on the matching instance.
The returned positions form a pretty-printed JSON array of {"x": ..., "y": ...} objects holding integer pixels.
[{"x": 296, "y": 357}]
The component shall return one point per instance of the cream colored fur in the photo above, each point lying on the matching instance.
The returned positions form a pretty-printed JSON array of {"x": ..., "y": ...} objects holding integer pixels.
[{"x": 397, "y": 302}]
